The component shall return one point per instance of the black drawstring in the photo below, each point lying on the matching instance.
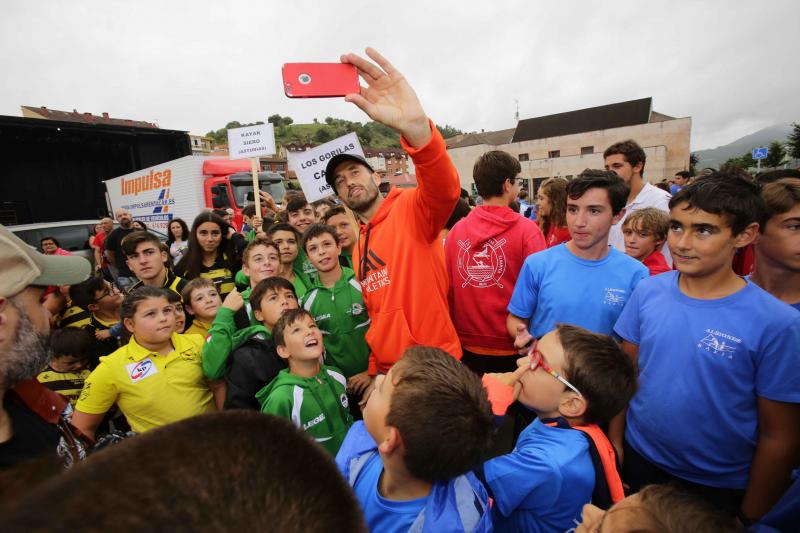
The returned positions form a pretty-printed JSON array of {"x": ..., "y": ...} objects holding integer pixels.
[{"x": 362, "y": 260}]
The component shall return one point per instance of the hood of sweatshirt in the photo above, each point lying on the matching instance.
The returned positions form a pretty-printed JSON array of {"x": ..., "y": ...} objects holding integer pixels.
[
  {"x": 286, "y": 379},
  {"x": 243, "y": 335},
  {"x": 487, "y": 222}
]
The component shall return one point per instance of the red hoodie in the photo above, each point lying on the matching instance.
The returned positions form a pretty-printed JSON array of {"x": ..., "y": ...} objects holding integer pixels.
[
  {"x": 484, "y": 253},
  {"x": 400, "y": 262}
]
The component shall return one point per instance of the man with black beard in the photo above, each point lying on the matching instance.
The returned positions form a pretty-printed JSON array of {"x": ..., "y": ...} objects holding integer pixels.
[
  {"x": 34, "y": 421},
  {"x": 399, "y": 258}
]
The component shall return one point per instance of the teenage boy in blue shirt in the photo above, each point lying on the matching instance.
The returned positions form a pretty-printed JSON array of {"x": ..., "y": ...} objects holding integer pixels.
[
  {"x": 583, "y": 282},
  {"x": 717, "y": 407}
]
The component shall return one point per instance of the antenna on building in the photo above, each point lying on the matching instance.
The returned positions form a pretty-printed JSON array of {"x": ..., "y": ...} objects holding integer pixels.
[{"x": 516, "y": 115}]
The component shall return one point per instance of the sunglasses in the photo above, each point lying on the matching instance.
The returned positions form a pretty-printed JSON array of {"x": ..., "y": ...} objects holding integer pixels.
[{"x": 537, "y": 361}]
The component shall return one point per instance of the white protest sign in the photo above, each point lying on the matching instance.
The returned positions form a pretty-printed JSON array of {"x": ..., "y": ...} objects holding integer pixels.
[
  {"x": 251, "y": 141},
  {"x": 310, "y": 165}
]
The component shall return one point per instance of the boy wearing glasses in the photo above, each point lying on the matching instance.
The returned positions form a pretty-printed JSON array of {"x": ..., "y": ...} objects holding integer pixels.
[
  {"x": 103, "y": 300},
  {"x": 718, "y": 407},
  {"x": 573, "y": 380}
]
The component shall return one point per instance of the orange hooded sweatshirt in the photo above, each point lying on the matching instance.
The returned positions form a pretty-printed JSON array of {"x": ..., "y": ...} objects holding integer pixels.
[{"x": 399, "y": 261}]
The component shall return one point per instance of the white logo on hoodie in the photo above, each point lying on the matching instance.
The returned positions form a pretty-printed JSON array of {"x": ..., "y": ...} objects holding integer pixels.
[{"x": 483, "y": 265}]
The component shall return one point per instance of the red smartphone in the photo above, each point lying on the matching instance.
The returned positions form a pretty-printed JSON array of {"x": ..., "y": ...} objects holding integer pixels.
[{"x": 319, "y": 80}]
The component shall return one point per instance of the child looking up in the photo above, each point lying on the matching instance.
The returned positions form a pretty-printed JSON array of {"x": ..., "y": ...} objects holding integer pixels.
[
  {"x": 308, "y": 393},
  {"x": 426, "y": 425},
  {"x": 337, "y": 306},
  {"x": 645, "y": 232},
  {"x": 573, "y": 380}
]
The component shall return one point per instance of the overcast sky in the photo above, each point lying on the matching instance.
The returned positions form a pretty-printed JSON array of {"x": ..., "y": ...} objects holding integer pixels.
[{"x": 731, "y": 66}]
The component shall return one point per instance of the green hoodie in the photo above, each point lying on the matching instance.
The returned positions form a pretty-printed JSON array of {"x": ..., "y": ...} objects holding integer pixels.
[
  {"x": 317, "y": 405},
  {"x": 341, "y": 315},
  {"x": 223, "y": 338}
]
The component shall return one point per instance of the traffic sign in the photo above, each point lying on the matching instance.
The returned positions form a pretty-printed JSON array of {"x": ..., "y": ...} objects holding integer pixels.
[{"x": 760, "y": 153}]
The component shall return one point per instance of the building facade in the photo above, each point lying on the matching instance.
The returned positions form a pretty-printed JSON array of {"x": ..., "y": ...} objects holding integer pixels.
[{"x": 565, "y": 144}]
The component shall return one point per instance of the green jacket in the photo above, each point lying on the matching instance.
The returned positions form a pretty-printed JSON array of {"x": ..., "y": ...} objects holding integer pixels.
[
  {"x": 341, "y": 315},
  {"x": 222, "y": 339},
  {"x": 304, "y": 269},
  {"x": 317, "y": 405}
]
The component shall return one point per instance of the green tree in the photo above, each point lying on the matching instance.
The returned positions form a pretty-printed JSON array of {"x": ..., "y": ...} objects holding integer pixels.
[
  {"x": 322, "y": 135},
  {"x": 775, "y": 155},
  {"x": 793, "y": 145},
  {"x": 448, "y": 131},
  {"x": 328, "y": 120}
]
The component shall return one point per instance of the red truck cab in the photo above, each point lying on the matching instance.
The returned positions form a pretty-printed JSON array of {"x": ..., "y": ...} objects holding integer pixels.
[{"x": 229, "y": 183}]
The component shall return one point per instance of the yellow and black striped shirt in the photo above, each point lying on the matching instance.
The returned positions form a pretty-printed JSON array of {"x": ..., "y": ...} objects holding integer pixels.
[
  {"x": 171, "y": 282},
  {"x": 67, "y": 384}
]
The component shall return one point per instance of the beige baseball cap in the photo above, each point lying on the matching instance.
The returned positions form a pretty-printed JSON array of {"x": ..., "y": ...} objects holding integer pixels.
[{"x": 21, "y": 266}]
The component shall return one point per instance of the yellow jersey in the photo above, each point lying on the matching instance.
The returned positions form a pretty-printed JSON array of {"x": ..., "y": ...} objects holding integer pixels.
[{"x": 150, "y": 389}]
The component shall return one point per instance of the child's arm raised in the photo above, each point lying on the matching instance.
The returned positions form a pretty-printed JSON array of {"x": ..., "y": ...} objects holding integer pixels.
[{"x": 219, "y": 341}]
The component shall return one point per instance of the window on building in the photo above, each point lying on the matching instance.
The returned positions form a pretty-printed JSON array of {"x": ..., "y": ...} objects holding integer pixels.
[
  {"x": 523, "y": 157},
  {"x": 279, "y": 167},
  {"x": 553, "y": 154},
  {"x": 587, "y": 150},
  {"x": 195, "y": 142}
]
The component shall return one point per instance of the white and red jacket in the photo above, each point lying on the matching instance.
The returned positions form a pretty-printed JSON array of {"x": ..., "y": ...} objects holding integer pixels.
[{"x": 484, "y": 253}]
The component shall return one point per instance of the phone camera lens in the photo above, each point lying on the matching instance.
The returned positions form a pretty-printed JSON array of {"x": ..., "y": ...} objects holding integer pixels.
[{"x": 305, "y": 79}]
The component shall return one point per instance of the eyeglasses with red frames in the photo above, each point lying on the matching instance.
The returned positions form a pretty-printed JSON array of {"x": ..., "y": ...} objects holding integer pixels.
[{"x": 537, "y": 361}]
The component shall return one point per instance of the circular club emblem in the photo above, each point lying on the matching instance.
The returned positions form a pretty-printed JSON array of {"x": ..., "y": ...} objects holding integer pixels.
[
  {"x": 482, "y": 266},
  {"x": 356, "y": 309},
  {"x": 343, "y": 399}
]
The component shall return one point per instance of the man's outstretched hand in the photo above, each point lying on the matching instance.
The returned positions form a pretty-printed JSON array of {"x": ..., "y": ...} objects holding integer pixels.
[{"x": 388, "y": 98}]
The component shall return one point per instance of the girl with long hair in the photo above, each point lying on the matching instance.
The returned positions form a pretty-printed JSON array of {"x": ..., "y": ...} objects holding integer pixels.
[
  {"x": 177, "y": 239},
  {"x": 211, "y": 254},
  {"x": 551, "y": 202}
]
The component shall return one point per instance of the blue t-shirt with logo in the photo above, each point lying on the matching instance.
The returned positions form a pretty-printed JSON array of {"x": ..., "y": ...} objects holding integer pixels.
[
  {"x": 381, "y": 514},
  {"x": 555, "y": 286},
  {"x": 544, "y": 483},
  {"x": 703, "y": 364}
]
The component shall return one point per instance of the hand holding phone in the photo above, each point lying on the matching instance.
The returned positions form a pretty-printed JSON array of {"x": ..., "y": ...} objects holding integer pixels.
[{"x": 319, "y": 80}]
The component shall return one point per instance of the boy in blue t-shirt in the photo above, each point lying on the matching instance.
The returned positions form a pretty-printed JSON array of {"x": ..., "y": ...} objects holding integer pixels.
[
  {"x": 717, "y": 407},
  {"x": 426, "y": 425},
  {"x": 583, "y": 282},
  {"x": 777, "y": 251},
  {"x": 573, "y": 379}
]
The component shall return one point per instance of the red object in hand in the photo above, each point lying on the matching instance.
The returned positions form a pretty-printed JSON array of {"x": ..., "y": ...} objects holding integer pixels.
[{"x": 319, "y": 80}]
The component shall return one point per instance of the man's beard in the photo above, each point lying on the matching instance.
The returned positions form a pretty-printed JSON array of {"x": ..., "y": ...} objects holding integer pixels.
[
  {"x": 28, "y": 353},
  {"x": 125, "y": 224},
  {"x": 367, "y": 201}
]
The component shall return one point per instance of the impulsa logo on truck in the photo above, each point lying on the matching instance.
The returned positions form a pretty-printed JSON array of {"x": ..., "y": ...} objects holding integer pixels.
[{"x": 147, "y": 182}]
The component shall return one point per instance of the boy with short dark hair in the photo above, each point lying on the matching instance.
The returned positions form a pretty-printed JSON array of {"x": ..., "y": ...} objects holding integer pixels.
[
  {"x": 67, "y": 370},
  {"x": 260, "y": 261},
  {"x": 103, "y": 300},
  {"x": 777, "y": 248},
  {"x": 583, "y": 282},
  {"x": 484, "y": 253},
  {"x": 426, "y": 425},
  {"x": 645, "y": 233},
  {"x": 345, "y": 225},
  {"x": 253, "y": 361},
  {"x": 718, "y": 403},
  {"x": 201, "y": 300},
  {"x": 295, "y": 266},
  {"x": 338, "y": 308},
  {"x": 308, "y": 393},
  {"x": 573, "y": 380},
  {"x": 148, "y": 262}
]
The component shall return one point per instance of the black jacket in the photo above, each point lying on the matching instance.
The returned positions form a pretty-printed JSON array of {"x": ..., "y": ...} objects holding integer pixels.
[{"x": 251, "y": 366}]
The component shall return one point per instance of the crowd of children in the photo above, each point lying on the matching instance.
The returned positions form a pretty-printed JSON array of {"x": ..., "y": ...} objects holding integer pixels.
[{"x": 608, "y": 350}]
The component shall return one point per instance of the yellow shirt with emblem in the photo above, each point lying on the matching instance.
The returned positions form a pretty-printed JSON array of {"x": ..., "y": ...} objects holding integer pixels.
[
  {"x": 151, "y": 390},
  {"x": 198, "y": 327}
]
